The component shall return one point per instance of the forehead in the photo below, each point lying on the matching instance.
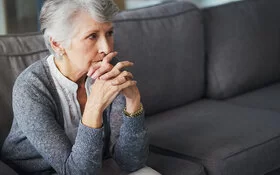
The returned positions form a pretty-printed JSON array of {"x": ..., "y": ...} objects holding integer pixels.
[{"x": 84, "y": 23}]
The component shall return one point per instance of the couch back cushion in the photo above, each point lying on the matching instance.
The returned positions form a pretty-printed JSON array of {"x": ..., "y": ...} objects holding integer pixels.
[
  {"x": 16, "y": 53},
  {"x": 166, "y": 44},
  {"x": 242, "y": 41}
]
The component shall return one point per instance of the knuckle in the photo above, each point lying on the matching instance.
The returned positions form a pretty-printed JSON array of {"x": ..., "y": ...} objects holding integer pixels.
[
  {"x": 123, "y": 79},
  {"x": 117, "y": 81},
  {"x": 109, "y": 66},
  {"x": 120, "y": 64},
  {"x": 115, "y": 71},
  {"x": 125, "y": 73}
]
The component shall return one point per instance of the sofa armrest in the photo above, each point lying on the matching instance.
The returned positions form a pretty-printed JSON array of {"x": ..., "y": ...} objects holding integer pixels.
[{"x": 6, "y": 170}]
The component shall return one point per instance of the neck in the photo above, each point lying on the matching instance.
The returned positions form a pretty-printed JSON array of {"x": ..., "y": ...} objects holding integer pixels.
[
  {"x": 69, "y": 72},
  {"x": 82, "y": 81}
]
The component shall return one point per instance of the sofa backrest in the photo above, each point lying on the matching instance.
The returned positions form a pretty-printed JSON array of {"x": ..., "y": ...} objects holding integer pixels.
[
  {"x": 166, "y": 44},
  {"x": 242, "y": 43},
  {"x": 16, "y": 53}
]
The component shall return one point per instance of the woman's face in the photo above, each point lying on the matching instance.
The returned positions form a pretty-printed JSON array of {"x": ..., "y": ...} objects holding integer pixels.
[{"x": 91, "y": 41}]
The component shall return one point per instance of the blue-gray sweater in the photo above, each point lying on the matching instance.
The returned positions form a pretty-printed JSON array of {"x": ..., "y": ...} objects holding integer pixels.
[{"x": 37, "y": 141}]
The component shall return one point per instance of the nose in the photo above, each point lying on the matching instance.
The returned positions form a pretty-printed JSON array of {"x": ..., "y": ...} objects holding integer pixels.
[{"x": 104, "y": 46}]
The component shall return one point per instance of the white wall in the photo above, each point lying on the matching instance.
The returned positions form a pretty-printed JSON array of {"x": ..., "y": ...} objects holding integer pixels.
[
  {"x": 3, "y": 29},
  {"x": 130, "y": 4},
  {"x": 210, "y": 3}
]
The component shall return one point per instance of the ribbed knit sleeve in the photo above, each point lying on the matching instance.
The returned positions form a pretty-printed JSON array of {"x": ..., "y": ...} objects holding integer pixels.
[
  {"x": 130, "y": 149},
  {"x": 34, "y": 112}
]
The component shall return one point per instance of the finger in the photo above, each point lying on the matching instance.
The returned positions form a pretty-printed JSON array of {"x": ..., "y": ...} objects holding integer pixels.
[
  {"x": 108, "y": 58},
  {"x": 116, "y": 70},
  {"x": 123, "y": 64},
  {"x": 93, "y": 68},
  {"x": 127, "y": 84},
  {"x": 105, "y": 65},
  {"x": 102, "y": 70},
  {"x": 111, "y": 74},
  {"x": 122, "y": 78}
]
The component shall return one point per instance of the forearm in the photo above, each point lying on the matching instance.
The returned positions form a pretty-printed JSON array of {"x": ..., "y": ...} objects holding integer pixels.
[
  {"x": 86, "y": 155},
  {"x": 131, "y": 149},
  {"x": 38, "y": 123}
]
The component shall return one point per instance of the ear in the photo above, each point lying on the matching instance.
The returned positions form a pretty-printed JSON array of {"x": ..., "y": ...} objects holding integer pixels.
[{"x": 56, "y": 46}]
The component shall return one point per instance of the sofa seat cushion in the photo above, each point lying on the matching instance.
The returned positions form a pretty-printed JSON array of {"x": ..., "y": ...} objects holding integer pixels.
[
  {"x": 6, "y": 170},
  {"x": 172, "y": 165},
  {"x": 162, "y": 164},
  {"x": 265, "y": 98},
  {"x": 275, "y": 172},
  {"x": 227, "y": 139}
]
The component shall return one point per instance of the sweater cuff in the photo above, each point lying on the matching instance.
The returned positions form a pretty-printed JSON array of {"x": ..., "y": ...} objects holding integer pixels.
[
  {"x": 134, "y": 124},
  {"x": 89, "y": 139}
]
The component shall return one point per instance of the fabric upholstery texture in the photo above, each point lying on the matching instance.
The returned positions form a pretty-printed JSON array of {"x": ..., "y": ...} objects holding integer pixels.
[
  {"x": 166, "y": 44},
  {"x": 6, "y": 170},
  {"x": 170, "y": 165},
  {"x": 265, "y": 98},
  {"x": 275, "y": 172},
  {"x": 182, "y": 55},
  {"x": 166, "y": 165},
  {"x": 242, "y": 42},
  {"x": 227, "y": 139},
  {"x": 16, "y": 53}
]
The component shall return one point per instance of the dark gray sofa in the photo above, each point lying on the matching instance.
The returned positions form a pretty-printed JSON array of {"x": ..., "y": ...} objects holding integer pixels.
[{"x": 209, "y": 81}]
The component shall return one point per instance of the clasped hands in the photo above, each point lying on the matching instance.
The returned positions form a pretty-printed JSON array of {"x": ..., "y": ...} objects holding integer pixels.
[{"x": 109, "y": 82}]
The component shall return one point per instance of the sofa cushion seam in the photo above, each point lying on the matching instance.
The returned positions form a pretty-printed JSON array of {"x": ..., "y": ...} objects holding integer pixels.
[
  {"x": 21, "y": 35},
  {"x": 252, "y": 147},
  {"x": 155, "y": 18},
  {"x": 25, "y": 54}
]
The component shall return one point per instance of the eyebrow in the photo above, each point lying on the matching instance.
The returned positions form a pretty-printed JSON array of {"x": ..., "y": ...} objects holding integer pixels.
[{"x": 95, "y": 31}]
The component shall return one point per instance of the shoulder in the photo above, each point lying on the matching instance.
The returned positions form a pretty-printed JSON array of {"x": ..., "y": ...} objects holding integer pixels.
[
  {"x": 36, "y": 77},
  {"x": 35, "y": 74}
]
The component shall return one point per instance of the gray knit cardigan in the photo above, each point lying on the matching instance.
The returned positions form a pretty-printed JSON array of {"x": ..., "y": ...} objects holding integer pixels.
[{"x": 37, "y": 142}]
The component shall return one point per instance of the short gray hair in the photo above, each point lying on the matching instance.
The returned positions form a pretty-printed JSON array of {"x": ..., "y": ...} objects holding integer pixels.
[{"x": 57, "y": 17}]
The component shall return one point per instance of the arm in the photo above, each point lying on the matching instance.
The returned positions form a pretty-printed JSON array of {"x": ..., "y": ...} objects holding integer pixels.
[
  {"x": 34, "y": 113},
  {"x": 131, "y": 148}
]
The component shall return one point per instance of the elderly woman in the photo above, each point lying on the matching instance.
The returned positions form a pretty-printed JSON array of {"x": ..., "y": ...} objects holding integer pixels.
[{"x": 75, "y": 109}]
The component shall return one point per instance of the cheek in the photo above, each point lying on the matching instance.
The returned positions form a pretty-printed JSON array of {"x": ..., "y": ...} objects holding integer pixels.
[
  {"x": 112, "y": 43},
  {"x": 91, "y": 54}
]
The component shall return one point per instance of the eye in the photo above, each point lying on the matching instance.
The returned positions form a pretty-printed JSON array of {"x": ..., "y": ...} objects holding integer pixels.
[
  {"x": 93, "y": 36},
  {"x": 110, "y": 33}
]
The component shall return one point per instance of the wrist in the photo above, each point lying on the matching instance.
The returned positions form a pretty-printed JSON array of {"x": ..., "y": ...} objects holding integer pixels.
[
  {"x": 133, "y": 105},
  {"x": 136, "y": 113},
  {"x": 93, "y": 118}
]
